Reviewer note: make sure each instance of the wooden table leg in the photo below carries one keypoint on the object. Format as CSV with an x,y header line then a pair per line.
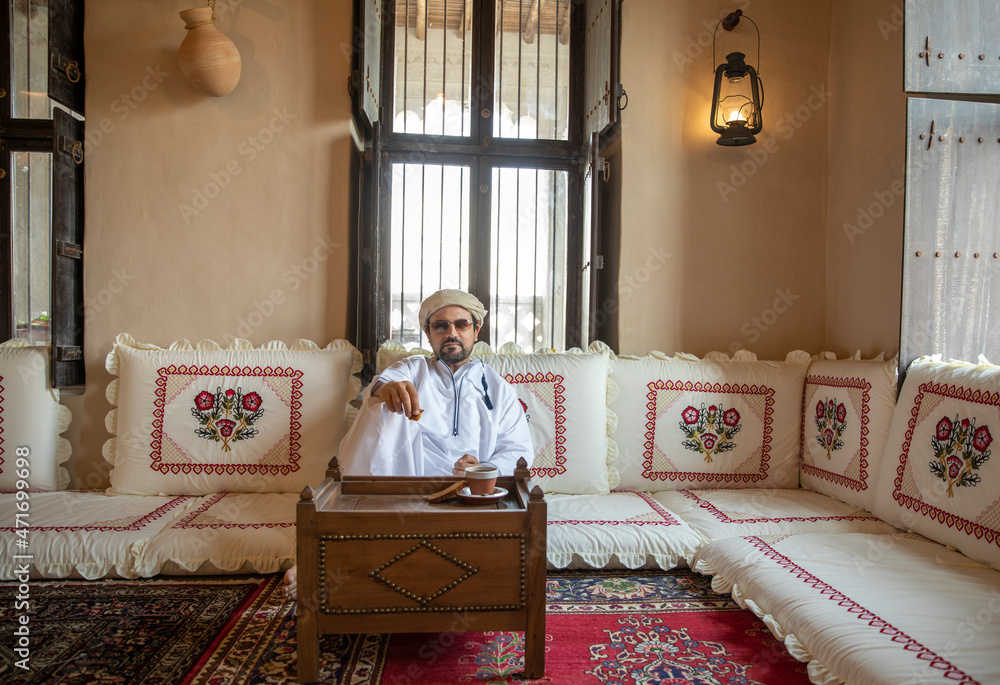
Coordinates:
x,y
534,650
308,592
307,639
534,634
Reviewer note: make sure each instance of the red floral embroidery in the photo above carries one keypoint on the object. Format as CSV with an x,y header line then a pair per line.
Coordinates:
x,y
711,430
287,374
830,423
750,473
981,439
524,407
225,427
944,428
960,453
860,390
954,466
252,401
227,416
977,529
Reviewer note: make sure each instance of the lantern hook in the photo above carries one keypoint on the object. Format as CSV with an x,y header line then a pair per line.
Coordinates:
x,y
729,23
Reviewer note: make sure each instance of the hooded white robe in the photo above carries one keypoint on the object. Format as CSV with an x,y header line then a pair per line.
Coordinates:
x,y
473,411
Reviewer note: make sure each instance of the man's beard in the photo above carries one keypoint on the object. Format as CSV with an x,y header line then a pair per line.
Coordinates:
x,y
454,356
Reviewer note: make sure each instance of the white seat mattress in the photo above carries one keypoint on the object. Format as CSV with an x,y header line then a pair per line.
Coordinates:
x,y
620,530
867,609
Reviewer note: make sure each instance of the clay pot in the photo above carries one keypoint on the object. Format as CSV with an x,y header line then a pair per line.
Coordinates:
x,y
209,60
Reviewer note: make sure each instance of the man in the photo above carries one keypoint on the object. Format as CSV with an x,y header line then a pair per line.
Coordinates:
x,y
459,410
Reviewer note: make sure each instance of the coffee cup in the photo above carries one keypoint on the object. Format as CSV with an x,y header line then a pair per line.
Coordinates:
x,y
482,479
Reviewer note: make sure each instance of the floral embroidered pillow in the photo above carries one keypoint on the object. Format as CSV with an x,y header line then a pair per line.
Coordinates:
x,y
939,476
32,453
847,411
564,398
687,423
195,420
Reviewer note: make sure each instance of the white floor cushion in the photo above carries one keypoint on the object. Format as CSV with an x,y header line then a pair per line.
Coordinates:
x,y
847,412
226,533
619,530
82,534
718,514
684,422
565,400
199,419
867,609
32,453
939,476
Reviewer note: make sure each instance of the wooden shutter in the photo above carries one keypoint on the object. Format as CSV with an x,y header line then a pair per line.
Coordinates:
x,y
67,252
952,46
591,240
601,86
7,328
66,64
951,263
368,81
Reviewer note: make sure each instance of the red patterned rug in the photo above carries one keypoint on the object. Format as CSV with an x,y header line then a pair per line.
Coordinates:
x,y
601,627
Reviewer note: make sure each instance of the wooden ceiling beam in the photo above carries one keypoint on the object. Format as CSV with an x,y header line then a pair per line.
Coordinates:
x,y
465,26
530,28
421,19
563,28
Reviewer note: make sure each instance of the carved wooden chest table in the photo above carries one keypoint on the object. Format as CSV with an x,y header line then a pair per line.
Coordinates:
x,y
374,556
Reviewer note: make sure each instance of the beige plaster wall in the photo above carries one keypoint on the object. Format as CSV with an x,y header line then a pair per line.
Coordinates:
x,y
217,218
864,244
723,248
211,218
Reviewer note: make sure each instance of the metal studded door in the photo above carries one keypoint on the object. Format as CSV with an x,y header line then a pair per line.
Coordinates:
x,y
951,261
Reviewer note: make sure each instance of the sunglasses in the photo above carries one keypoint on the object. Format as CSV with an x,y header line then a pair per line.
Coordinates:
x,y
444,326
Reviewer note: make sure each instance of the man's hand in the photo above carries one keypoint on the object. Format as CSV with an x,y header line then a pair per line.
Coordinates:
x,y
400,397
464,462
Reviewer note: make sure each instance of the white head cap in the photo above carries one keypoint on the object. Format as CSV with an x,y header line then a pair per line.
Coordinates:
x,y
448,298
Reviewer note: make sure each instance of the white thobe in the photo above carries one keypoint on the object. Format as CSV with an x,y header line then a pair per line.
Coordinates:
x,y
471,411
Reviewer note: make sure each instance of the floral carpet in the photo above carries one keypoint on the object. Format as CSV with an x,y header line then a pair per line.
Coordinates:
x,y
616,628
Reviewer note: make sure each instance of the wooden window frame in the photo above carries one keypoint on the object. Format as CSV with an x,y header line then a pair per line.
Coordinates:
x,y
378,148
62,136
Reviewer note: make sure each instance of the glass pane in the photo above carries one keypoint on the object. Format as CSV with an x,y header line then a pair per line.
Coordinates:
x,y
29,59
429,240
528,258
433,63
31,213
532,69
